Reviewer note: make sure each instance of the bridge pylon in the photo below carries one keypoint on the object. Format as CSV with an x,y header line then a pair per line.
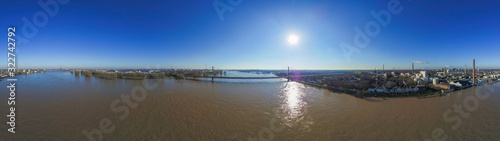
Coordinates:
x,y
288,75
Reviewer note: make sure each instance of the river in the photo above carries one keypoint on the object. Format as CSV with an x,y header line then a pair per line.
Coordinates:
x,y
60,106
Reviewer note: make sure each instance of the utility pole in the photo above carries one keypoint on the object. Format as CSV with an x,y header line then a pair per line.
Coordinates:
x,y
213,74
465,69
383,67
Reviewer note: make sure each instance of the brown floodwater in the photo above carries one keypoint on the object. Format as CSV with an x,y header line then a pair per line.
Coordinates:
x,y
59,106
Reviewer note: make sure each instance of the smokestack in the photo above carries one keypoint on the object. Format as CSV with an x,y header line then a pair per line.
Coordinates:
x,y
412,68
465,69
473,71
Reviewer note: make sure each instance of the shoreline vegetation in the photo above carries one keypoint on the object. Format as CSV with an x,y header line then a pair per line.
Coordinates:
x,y
139,75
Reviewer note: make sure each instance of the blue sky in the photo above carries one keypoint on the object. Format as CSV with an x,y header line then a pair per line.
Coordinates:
x,y
190,34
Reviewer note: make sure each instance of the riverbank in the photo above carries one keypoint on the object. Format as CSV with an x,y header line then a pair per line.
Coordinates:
x,y
364,94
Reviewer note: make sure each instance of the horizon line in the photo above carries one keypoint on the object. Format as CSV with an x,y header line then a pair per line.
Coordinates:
x,y
132,68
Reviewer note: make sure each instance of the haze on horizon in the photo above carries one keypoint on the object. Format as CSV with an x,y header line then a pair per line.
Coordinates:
x,y
256,35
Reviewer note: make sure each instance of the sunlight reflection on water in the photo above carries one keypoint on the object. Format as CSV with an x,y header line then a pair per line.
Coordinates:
x,y
294,106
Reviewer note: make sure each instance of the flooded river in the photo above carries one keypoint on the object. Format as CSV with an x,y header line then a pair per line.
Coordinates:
x,y
62,106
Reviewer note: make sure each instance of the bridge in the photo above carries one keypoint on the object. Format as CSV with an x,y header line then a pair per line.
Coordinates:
x,y
288,76
223,77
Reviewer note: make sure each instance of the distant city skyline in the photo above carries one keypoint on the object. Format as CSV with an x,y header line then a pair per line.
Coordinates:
x,y
254,35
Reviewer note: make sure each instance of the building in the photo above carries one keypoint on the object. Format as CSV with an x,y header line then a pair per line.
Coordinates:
x,y
460,84
423,73
435,81
456,83
445,86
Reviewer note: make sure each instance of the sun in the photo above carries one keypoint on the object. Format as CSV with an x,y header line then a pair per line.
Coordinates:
x,y
293,39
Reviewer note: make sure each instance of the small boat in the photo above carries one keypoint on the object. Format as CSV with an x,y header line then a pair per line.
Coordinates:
x,y
447,91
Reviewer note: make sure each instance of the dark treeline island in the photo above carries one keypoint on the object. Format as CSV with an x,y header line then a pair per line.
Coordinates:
x,y
142,74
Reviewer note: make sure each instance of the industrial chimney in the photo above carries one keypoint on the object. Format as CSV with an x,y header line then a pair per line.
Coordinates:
x,y
473,71
412,68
